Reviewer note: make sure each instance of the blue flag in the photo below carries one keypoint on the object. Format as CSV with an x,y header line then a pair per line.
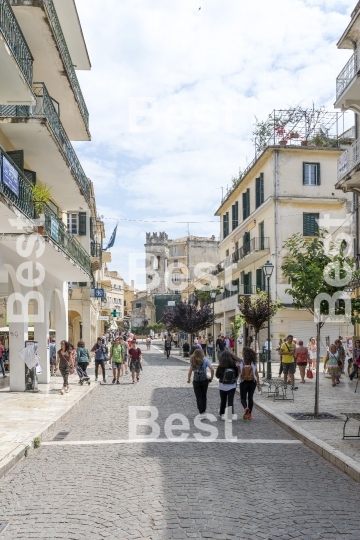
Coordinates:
x,y
112,239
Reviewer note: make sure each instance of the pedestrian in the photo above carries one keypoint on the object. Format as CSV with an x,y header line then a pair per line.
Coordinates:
x,y
203,343
220,345
52,354
124,365
249,379
148,343
167,347
312,348
186,349
73,353
227,373
210,346
116,359
135,361
334,364
65,364
198,367
82,357
287,353
356,360
341,353
2,360
99,350
302,357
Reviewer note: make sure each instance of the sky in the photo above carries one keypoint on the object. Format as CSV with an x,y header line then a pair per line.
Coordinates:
x,y
173,94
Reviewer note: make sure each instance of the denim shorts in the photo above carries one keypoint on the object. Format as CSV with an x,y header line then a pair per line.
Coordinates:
x,y
116,365
288,368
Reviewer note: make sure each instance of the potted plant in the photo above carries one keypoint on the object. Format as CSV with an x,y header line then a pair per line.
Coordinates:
x,y
318,140
304,143
41,196
283,142
294,135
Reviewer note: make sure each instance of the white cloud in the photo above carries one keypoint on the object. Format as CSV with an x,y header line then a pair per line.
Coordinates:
x,y
248,58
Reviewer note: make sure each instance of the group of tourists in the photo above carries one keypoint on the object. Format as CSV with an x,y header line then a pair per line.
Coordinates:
x,y
230,371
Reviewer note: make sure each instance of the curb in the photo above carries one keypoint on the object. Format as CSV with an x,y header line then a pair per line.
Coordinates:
x,y
335,457
19,453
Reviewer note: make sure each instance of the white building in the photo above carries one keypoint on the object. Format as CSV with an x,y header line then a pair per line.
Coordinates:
x,y
42,109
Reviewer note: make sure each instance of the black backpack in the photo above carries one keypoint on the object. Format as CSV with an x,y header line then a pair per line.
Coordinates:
x,y
200,374
229,376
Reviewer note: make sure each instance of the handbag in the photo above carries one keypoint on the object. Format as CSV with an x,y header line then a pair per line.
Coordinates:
x,y
309,374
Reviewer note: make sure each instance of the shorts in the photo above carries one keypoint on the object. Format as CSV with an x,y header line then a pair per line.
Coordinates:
x,y
302,363
116,365
288,368
135,366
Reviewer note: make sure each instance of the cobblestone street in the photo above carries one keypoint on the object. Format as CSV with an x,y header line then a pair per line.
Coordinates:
x,y
275,488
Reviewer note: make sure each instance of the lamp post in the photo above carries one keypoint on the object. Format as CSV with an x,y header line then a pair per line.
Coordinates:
x,y
213,296
268,269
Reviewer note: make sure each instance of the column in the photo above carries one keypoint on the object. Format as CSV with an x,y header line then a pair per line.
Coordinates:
x,y
18,334
41,335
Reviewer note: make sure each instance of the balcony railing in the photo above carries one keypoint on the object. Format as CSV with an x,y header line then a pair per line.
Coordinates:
x,y
349,159
45,107
255,244
57,231
15,40
95,249
348,73
53,226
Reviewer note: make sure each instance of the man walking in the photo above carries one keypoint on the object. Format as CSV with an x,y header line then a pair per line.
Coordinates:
x,y
99,350
220,345
2,360
167,347
287,353
52,352
116,359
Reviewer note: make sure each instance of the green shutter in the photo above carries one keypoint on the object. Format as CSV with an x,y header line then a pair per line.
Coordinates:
x,y
82,223
310,224
259,279
261,188
17,157
31,176
244,205
248,202
318,180
257,192
304,165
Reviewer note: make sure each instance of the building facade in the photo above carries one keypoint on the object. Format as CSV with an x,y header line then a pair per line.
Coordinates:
x,y
45,195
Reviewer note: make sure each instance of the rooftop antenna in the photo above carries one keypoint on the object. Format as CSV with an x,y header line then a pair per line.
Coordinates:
x,y
188,229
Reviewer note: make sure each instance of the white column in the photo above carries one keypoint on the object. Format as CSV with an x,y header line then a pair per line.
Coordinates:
x,y
61,314
41,335
18,334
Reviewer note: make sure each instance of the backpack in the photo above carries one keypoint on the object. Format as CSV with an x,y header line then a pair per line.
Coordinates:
x,y
200,374
229,376
247,373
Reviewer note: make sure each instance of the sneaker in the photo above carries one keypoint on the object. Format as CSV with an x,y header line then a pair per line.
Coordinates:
x,y
114,381
294,387
67,389
245,415
62,391
249,416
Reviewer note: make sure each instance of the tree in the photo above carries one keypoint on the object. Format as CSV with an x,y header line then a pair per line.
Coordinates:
x,y
257,310
188,317
315,266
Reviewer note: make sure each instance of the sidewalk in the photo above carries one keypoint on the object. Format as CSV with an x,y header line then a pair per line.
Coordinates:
x,y
323,436
26,415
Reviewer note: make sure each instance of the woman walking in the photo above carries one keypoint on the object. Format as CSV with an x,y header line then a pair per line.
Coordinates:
x,y
82,359
135,361
302,357
167,346
312,348
356,360
249,379
198,367
334,364
65,364
227,373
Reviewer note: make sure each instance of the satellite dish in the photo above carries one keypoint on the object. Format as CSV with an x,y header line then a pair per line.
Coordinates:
x,y
323,129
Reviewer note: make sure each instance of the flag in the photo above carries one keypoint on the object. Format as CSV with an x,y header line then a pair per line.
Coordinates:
x,y
112,239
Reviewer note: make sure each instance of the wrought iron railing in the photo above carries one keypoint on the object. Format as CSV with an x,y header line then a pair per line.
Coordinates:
x,y
25,200
348,73
95,249
57,231
45,107
349,159
255,244
15,40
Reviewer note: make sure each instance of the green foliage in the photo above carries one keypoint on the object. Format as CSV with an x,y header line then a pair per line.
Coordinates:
x,y
41,197
237,325
26,451
262,133
156,327
37,442
257,310
204,294
306,265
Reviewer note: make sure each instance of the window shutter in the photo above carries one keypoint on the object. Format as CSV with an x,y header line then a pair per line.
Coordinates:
x,y
17,157
318,180
257,192
304,172
31,176
244,205
261,188
82,283
242,278
310,224
259,281
246,238
82,223
248,202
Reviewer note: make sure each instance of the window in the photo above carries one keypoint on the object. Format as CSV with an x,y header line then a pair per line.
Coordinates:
x,y
260,279
82,223
175,251
259,190
72,223
235,215
176,263
246,203
176,278
311,174
310,224
157,262
226,224
262,235
236,246
138,305
177,291
247,283
227,253
124,303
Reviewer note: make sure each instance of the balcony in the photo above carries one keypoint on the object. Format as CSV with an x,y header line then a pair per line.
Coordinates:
x,y
347,90
55,231
39,132
248,253
15,59
349,168
40,25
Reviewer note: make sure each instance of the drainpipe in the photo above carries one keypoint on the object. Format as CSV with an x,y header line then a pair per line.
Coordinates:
x,y
276,217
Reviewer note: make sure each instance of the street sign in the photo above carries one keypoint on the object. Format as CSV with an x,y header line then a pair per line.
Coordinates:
x,y
97,293
171,303
103,317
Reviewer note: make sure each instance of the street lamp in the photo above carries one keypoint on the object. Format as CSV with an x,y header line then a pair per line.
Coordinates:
x,y
268,269
213,296
70,291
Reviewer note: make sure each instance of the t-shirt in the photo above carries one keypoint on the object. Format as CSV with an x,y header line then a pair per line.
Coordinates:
x,y
135,353
302,357
117,354
289,350
220,343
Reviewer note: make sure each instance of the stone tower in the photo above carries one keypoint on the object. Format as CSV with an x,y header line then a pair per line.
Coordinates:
x,y
157,257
